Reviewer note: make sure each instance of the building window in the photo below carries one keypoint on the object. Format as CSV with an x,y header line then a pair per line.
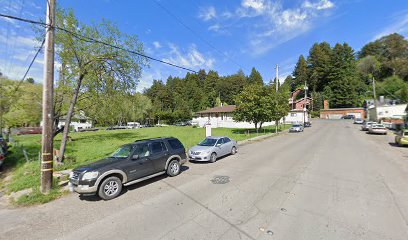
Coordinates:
x,y
222,116
293,114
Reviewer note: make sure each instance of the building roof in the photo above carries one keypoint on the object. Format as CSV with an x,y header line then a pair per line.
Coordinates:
x,y
340,109
223,109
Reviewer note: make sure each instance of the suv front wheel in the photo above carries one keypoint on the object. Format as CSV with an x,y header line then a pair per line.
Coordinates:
x,y
110,188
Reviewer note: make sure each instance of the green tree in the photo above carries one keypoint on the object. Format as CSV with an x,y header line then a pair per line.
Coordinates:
x,y
319,62
300,73
255,77
251,105
392,52
389,87
343,78
368,67
91,66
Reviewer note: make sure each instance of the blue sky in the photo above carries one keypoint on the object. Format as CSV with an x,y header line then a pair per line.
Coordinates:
x,y
220,35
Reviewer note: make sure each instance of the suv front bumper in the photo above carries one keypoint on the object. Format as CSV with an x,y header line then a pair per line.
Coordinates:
x,y
82,189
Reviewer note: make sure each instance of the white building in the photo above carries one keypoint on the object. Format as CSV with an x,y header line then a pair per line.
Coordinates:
x,y
78,122
296,116
387,111
221,117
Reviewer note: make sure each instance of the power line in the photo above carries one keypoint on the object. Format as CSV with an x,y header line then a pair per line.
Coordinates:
x,y
29,67
88,39
195,33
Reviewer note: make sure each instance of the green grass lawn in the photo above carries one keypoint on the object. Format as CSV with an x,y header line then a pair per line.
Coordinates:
x,y
86,147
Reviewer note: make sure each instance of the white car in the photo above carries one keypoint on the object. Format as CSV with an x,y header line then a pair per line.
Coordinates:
x,y
358,121
212,148
377,129
296,128
366,125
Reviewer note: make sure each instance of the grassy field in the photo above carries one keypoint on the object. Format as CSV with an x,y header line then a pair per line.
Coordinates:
x,y
86,147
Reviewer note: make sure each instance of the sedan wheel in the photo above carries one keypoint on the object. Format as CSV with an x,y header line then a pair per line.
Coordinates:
x,y
233,150
213,157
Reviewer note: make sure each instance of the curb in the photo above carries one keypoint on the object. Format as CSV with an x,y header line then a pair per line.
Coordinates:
x,y
262,137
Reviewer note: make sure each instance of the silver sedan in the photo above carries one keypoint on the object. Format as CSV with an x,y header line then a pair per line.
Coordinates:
x,y
212,148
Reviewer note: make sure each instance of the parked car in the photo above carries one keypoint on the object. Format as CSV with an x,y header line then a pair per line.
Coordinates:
x,y
308,124
212,148
347,117
296,128
366,125
358,121
131,163
377,128
29,130
401,138
3,144
2,157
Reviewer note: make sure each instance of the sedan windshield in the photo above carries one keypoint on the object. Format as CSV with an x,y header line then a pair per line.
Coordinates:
x,y
295,125
208,142
123,152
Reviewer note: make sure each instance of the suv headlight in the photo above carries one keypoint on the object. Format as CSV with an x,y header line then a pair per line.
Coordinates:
x,y
90,175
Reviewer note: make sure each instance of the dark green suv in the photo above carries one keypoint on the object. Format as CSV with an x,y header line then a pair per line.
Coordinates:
x,y
131,163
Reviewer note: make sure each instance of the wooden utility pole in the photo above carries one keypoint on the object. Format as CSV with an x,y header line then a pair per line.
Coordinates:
x,y
48,109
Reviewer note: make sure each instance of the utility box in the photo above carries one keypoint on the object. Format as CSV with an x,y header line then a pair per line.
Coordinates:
x,y
208,130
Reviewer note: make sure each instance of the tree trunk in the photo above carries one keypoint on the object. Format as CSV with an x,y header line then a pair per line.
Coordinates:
x,y
256,127
68,120
260,125
276,126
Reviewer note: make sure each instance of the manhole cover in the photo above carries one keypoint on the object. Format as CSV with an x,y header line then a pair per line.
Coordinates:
x,y
220,179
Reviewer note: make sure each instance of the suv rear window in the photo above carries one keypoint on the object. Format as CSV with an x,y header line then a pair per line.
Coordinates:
x,y
158,147
175,144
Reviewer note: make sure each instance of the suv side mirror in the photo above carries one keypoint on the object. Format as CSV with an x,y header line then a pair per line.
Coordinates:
x,y
135,157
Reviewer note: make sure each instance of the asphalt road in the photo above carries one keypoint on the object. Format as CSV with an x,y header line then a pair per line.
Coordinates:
x,y
330,182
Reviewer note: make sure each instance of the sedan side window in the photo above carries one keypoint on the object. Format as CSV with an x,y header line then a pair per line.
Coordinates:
x,y
227,140
220,141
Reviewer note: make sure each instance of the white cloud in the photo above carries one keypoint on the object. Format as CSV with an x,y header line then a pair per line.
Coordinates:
x,y
319,5
191,58
257,5
270,23
157,44
207,13
399,25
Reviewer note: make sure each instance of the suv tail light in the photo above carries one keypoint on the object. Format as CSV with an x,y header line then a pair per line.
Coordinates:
x,y
1,157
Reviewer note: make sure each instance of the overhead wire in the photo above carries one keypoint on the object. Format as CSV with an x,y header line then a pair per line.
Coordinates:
x,y
196,34
88,39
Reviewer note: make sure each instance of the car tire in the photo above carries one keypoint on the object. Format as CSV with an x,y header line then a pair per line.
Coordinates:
x,y
110,188
174,168
213,157
233,150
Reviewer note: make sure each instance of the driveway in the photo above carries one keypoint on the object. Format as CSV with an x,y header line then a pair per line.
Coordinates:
x,y
330,182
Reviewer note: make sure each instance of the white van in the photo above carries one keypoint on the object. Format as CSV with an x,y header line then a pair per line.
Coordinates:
x,y
132,125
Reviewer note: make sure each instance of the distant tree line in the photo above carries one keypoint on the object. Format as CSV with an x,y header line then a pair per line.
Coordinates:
x,y
344,77
177,98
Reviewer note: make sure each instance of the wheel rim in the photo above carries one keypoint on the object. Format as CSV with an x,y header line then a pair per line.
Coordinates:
x,y
174,168
213,157
234,150
111,188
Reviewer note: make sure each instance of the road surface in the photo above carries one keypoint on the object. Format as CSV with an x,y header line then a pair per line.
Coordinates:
x,y
330,182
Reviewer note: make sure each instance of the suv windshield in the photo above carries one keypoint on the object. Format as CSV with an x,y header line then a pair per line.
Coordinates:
x,y
208,142
123,152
